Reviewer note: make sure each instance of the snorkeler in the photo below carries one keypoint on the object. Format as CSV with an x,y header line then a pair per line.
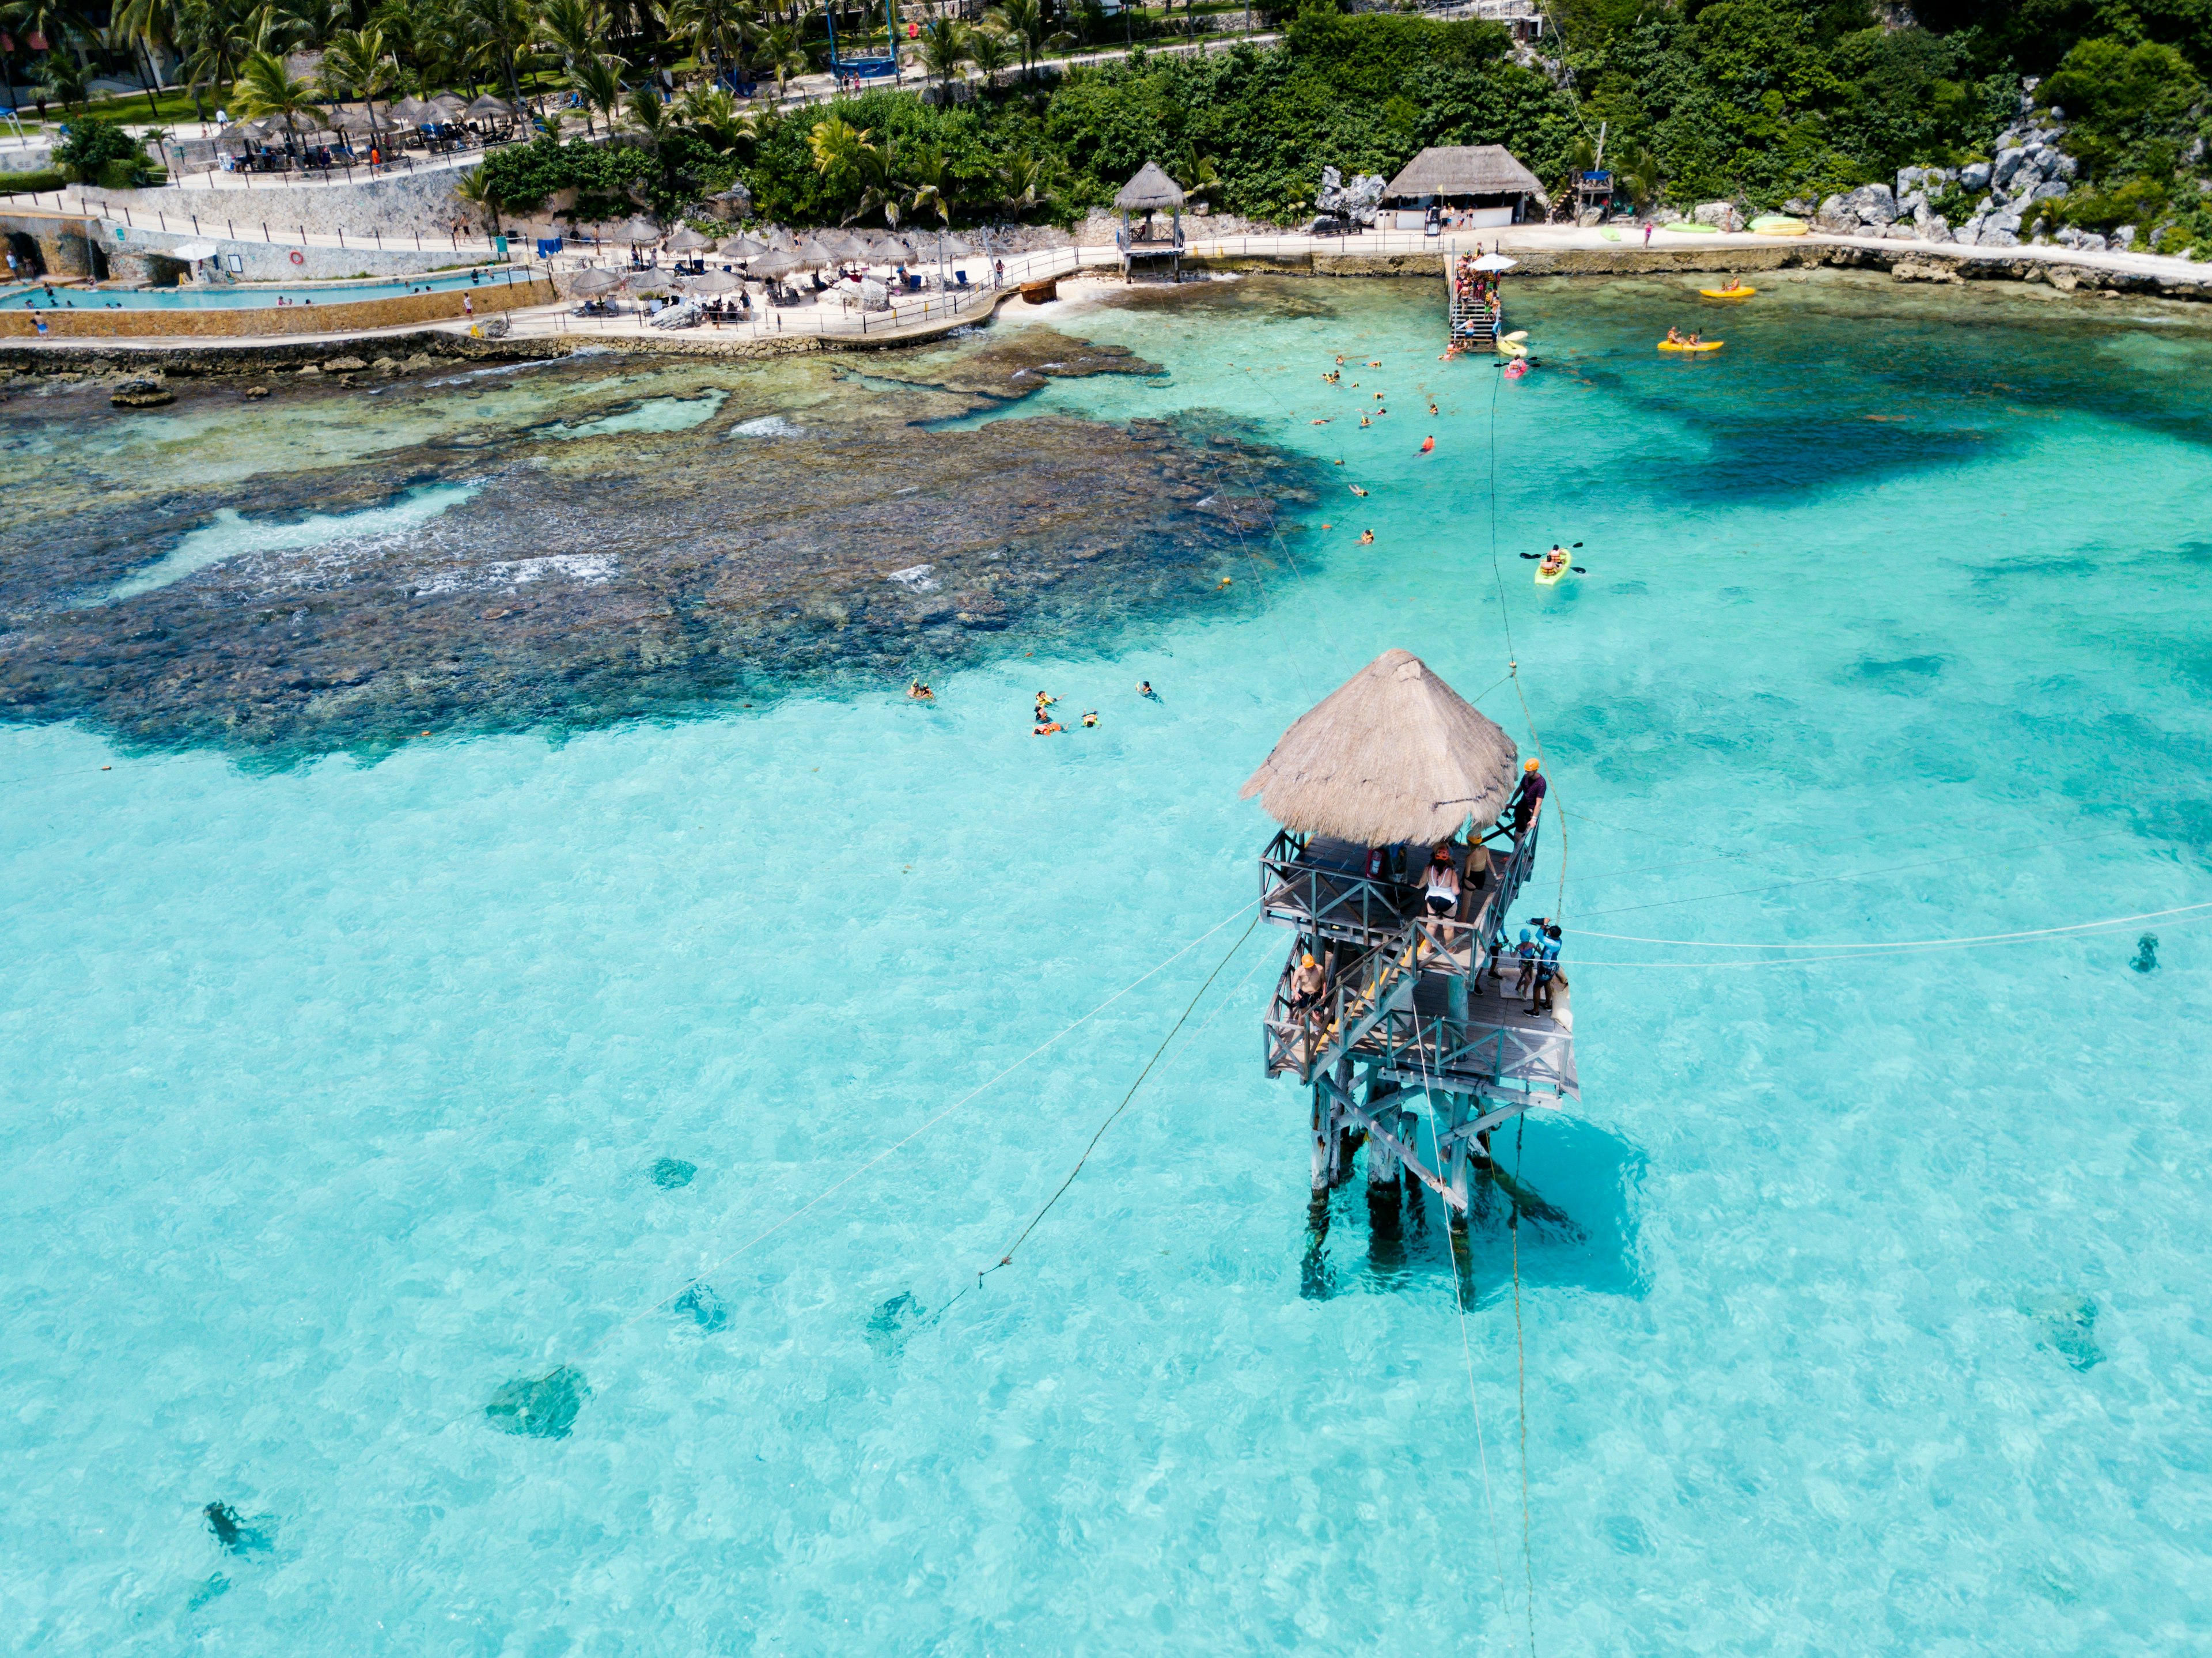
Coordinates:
x,y
1367,537
1428,444
1144,689
1090,717
920,692
1356,490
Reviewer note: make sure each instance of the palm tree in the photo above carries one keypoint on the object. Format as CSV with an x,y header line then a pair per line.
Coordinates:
x,y
1643,176
1029,179
59,22
505,28
990,50
718,30
712,113
943,48
265,87
575,29
216,36
1200,177
598,82
146,24
355,66
1025,21
842,152
63,79
478,190
927,175
782,53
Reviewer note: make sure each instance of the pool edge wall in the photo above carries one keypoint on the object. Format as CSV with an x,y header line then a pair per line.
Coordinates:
x,y
245,322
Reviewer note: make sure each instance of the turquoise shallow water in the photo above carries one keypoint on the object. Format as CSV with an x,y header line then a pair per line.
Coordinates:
x,y
335,1093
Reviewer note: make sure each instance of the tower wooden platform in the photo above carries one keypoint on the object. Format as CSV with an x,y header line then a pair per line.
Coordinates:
x,y
1409,1022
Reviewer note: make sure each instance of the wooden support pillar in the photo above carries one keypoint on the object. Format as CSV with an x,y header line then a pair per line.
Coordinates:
x,y
1383,1197
1456,1179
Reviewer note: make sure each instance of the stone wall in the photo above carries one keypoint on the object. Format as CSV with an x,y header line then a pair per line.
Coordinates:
x,y
271,261
254,321
398,205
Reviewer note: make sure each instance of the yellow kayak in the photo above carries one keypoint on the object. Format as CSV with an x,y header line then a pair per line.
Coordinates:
x,y
1727,293
1703,345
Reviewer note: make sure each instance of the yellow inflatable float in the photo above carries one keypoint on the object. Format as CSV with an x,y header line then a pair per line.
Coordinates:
x,y
1702,345
1727,293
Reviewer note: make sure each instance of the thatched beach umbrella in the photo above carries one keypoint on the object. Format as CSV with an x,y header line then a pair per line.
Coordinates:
x,y
744,247
638,232
777,266
687,240
591,283
412,112
1393,754
1151,190
712,282
488,108
813,255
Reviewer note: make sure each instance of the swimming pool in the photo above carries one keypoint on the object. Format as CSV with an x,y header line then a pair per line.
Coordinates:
x,y
211,296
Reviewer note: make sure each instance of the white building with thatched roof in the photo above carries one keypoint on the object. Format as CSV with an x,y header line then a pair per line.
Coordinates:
x,y
1479,184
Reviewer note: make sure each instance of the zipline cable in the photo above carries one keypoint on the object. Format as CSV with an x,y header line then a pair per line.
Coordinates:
x,y
1466,1343
1006,1260
1521,1357
832,1190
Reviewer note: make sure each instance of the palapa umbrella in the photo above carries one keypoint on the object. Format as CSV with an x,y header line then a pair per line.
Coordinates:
x,y
744,247
488,108
687,240
638,232
1394,754
712,282
592,283
813,255
449,104
777,266
839,246
411,111
951,247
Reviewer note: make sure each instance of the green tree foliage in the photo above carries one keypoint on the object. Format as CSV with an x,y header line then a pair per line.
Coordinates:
x,y
98,151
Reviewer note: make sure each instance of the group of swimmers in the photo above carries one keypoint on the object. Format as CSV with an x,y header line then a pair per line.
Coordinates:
x,y
1044,724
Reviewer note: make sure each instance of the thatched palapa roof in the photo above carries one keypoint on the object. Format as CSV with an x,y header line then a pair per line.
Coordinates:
x,y
1393,754
1150,190
1462,170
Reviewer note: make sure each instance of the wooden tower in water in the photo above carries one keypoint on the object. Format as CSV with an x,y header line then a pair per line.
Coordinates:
x,y
1407,1041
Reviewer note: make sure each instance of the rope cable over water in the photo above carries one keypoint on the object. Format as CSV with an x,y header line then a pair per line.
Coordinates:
x,y
1006,1259
1520,1358
1466,1342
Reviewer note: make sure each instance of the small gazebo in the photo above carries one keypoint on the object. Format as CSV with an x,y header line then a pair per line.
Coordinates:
x,y
1149,193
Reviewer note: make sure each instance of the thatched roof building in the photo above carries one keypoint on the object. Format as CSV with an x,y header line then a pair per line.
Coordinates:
x,y
1453,173
1149,192
1394,754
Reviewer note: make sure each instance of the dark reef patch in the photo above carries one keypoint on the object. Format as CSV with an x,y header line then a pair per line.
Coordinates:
x,y
544,1406
808,534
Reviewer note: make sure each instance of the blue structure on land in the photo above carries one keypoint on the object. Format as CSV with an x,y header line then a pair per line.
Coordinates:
x,y
875,67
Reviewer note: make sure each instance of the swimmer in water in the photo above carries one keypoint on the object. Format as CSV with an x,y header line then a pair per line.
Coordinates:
x,y
1364,421
920,692
1377,363
1432,408
1428,445
1379,396
1356,490
1367,537
1046,728
1043,702
1144,689
1091,716
1340,359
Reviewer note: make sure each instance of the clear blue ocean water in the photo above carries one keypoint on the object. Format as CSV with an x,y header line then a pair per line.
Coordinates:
x,y
335,1093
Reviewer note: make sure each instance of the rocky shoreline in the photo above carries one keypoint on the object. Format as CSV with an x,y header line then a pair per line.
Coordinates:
x,y
601,540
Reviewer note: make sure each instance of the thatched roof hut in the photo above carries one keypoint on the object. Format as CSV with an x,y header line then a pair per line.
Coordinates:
x,y
1393,754
1149,192
1461,173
